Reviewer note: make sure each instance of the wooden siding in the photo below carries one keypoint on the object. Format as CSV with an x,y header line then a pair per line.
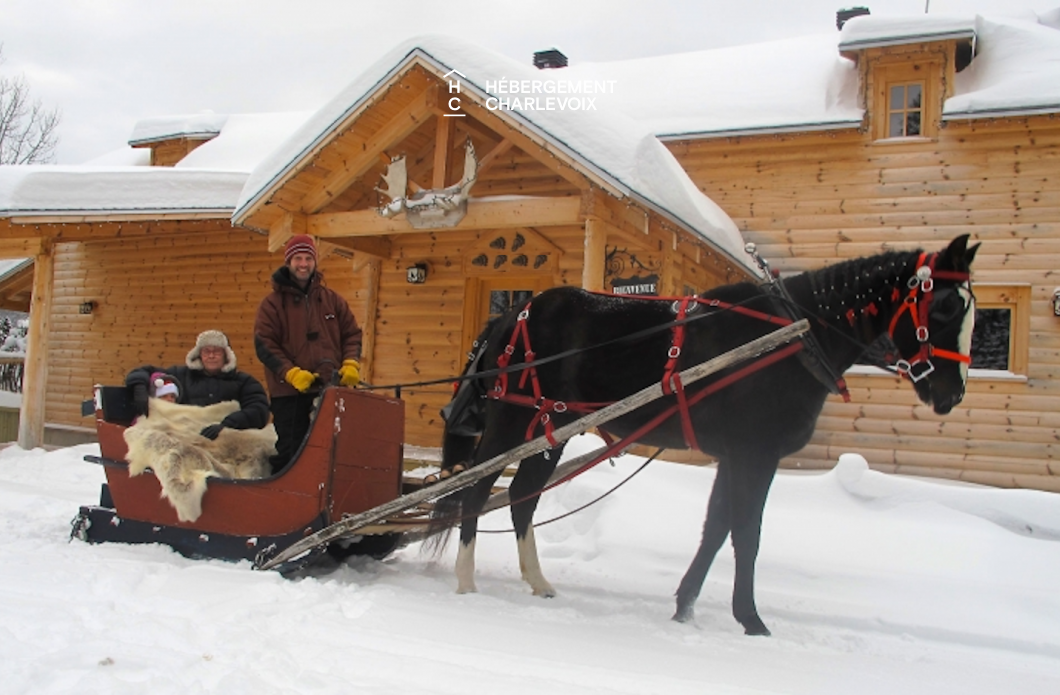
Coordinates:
x,y
812,199
154,295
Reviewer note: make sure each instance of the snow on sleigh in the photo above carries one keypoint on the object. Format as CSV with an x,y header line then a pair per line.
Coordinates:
x,y
351,461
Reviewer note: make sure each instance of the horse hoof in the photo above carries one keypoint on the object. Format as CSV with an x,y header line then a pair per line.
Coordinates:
x,y
755,627
545,593
684,614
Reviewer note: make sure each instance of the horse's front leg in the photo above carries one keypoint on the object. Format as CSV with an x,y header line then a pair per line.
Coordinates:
x,y
750,481
715,531
525,491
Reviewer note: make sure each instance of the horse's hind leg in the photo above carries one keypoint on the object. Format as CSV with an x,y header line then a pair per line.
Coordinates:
x,y
750,487
531,477
715,531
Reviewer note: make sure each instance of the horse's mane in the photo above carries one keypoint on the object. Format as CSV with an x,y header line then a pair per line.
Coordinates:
x,y
856,283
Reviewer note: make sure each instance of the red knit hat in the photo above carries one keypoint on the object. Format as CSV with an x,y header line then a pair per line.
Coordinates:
x,y
300,243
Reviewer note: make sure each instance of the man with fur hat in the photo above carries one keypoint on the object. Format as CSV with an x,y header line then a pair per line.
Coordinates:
x,y
208,376
304,334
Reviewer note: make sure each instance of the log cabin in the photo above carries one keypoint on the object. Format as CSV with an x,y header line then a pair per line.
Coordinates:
x,y
889,133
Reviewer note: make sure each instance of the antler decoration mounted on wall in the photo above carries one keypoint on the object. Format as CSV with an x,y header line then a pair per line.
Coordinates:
x,y
430,208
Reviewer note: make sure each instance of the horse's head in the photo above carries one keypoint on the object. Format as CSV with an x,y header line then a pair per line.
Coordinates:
x,y
933,328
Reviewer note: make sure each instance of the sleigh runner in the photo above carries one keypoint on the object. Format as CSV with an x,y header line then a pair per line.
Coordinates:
x,y
344,485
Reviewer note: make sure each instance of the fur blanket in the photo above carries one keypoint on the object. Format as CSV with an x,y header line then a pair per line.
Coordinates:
x,y
168,442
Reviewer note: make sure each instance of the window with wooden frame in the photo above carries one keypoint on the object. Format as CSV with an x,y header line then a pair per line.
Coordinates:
x,y
905,109
1000,342
906,100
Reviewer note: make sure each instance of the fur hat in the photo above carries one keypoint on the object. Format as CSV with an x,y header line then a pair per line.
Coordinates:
x,y
211,339
300,243
163,384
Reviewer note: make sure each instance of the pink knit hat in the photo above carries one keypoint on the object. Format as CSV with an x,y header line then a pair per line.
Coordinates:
x,y
163,385
300,243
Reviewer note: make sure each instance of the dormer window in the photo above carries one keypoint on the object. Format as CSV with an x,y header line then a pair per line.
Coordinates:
x,y
905,109
906,97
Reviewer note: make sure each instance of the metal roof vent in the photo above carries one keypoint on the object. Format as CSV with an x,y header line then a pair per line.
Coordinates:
x,y
842,16
548,59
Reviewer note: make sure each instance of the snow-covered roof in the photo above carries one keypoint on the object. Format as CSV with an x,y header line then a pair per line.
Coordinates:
x,y
620,152
203,125
1016,71
208,180
795,83
801,84
79,190
13,266
870,31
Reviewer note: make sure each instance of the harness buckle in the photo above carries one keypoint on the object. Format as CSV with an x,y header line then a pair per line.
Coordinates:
x,y
509,350
674,352
524,315
913,282
559,407
927,285
906,368
922,334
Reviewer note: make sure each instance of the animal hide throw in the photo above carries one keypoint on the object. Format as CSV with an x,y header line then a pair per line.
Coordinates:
x,y
168,442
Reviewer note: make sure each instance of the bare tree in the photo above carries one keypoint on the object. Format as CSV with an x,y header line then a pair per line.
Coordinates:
x,y
27,129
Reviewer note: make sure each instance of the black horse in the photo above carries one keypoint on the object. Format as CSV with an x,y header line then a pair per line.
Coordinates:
x,y
620,345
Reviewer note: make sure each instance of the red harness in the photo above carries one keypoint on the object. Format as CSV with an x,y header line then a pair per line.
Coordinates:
x,y
671,380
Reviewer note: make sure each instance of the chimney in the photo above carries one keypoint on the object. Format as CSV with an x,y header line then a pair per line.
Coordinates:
x,y
548,59
842,16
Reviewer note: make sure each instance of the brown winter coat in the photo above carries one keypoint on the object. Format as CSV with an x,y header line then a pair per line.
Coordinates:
x,y
312,329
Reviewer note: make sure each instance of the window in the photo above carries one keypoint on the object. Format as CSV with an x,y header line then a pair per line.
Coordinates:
x,y
906,99
904,109
1002,328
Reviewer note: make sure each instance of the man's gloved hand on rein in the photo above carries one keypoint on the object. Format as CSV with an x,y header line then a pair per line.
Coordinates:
x,y
300,378
350,373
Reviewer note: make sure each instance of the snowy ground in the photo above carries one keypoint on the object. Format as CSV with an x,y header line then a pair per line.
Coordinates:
x,y
870,584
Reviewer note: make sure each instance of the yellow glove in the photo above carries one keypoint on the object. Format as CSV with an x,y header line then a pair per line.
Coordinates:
x,y
300,378
350,373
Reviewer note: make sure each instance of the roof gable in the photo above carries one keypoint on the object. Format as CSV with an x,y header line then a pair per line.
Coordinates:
x,y
606,150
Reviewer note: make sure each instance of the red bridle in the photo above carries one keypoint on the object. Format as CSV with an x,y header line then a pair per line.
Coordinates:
x,y
918,303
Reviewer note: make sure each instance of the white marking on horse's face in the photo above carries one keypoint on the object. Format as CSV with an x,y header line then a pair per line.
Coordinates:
x,y
964,338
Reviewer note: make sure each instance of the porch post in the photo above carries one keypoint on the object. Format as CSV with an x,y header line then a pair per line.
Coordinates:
x,y
35,376
593,263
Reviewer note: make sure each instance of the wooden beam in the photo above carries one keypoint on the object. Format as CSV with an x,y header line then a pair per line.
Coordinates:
x,y
487,161
374,246
21,248
625,216
287,226
35,378
595,251
442,133
396,129
372,273
530,212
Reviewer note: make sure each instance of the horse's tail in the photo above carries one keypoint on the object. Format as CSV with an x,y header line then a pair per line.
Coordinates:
x,y
464,419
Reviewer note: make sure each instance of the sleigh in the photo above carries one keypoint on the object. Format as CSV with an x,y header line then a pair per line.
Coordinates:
x,y
350,461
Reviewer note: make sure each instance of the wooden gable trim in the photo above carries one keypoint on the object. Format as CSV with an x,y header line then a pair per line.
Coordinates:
x,y
396,129
482,214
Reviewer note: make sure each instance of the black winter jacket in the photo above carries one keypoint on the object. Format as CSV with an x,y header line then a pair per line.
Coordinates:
x,y
199,388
